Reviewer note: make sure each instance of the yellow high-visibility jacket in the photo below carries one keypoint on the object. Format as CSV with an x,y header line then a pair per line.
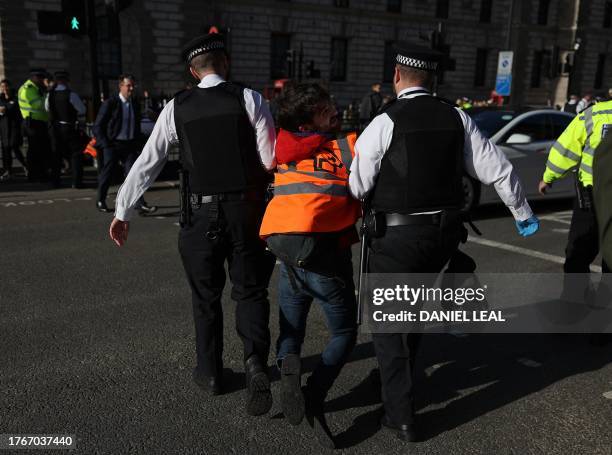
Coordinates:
x,y
32,102
576,145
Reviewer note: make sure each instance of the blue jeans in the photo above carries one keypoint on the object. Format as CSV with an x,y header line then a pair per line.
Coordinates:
x,y
337,299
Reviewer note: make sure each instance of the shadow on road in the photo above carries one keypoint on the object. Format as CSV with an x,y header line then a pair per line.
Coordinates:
x,y
497,369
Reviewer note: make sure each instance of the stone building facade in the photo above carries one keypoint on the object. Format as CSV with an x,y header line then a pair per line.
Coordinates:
x,y
344,43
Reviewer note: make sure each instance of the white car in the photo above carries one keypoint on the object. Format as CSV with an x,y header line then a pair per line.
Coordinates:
x,y
526,139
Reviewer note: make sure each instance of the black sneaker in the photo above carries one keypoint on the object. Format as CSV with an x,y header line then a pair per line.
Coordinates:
x,y
259,397
292,399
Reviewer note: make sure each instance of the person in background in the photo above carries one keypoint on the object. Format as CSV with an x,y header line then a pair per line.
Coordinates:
x,y
571,105
31,98
370,104
65,107
117,133
10,130
585,102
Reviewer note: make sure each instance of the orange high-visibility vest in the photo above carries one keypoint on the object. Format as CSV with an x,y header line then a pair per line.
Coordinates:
x,y
312,195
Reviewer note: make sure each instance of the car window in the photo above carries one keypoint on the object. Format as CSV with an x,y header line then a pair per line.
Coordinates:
x,y
559,123
490,122
534,126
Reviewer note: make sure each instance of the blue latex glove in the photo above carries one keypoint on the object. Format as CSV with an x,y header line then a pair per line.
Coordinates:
x,y
528,227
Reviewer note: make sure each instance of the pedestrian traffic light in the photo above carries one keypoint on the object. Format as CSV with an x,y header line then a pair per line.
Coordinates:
x,y
71,20
437,40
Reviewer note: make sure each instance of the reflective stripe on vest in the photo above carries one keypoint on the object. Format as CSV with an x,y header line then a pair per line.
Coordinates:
x,y
312,195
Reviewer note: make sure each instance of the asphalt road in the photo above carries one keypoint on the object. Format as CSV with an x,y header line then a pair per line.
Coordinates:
x,y
97,341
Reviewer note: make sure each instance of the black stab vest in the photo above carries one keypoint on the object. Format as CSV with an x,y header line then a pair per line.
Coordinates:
x,y
422,169
217,141
60,108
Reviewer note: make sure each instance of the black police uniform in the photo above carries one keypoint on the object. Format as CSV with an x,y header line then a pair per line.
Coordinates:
x,y
65,135
224,194
227,186
420,172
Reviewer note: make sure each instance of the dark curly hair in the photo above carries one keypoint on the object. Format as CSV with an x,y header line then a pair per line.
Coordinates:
x,y
298,104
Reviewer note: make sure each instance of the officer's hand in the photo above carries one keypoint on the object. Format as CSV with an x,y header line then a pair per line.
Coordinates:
x,y
543,187
119,231
528,227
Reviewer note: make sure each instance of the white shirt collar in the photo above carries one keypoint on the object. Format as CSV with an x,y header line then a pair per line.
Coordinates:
x,y
407,91
124,100
210,80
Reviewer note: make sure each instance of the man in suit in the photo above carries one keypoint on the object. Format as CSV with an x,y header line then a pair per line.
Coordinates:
x,y
117,133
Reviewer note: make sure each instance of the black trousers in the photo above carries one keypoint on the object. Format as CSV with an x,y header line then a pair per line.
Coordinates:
x,y
7,156
39,156
66,143
125,151
250,268
582,242
406,249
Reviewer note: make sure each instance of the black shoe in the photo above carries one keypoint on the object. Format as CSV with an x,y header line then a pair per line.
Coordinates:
x,y
404,432
209,384
315,417
292,399
102,207
145,209
259,397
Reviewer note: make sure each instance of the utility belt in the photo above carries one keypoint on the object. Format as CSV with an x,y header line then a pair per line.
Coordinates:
x,y
377,222
63,124
196,200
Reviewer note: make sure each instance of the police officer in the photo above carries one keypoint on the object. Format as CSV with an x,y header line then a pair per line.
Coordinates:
x,y
65,106
226,138
409,165
576,148
31,98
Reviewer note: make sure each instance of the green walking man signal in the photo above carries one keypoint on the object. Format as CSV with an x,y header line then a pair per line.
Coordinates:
x,y
74,23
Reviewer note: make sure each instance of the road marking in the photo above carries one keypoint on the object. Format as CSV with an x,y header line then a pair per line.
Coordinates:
x,y
525,251
528,362
561,231
608,395
559,217
42,201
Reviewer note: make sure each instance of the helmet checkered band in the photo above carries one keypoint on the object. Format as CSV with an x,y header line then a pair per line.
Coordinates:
x,y
206,48
416,63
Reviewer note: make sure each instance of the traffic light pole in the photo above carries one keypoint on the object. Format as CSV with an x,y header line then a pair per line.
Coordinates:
x,y
93,53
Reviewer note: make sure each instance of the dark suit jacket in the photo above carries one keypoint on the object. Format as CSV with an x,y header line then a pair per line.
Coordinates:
x,y
602,195
10,122
109,120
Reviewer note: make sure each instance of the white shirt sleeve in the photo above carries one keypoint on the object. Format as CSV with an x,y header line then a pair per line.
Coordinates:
x,y
369,151
76,102
261,119
485,162
148,165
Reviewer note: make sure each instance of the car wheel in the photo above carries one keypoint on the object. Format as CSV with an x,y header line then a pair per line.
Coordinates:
x,y
471,193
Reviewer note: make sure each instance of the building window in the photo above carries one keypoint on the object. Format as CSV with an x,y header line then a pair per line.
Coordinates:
x,y
543,12
339,48
442,9
607,22
279,53
394,6
536,69
599,73
341,3
486,7
447,63
389,62
480,75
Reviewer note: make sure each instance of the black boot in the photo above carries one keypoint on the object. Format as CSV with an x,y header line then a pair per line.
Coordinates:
x,y
209,384
259,398
292,399
315,415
